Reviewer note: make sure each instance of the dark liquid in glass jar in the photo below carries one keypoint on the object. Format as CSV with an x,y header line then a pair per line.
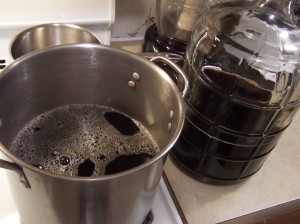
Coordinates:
x,y
154,42
243,66
225,139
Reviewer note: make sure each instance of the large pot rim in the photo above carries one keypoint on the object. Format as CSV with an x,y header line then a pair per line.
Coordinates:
x,y
21,34
139,59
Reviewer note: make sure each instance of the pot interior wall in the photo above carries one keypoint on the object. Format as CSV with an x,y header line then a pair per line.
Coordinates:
x,y
88,74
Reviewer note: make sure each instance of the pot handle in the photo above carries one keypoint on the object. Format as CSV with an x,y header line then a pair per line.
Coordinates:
x,y
168,55
18,169
179,72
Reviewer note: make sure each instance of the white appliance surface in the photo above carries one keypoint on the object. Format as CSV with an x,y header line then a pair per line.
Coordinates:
x,y
18,15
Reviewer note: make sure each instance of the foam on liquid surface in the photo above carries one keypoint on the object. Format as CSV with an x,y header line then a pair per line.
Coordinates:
x,y
84,140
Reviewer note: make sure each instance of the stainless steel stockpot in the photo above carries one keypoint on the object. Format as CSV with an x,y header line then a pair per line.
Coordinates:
x,y
48,35
87,74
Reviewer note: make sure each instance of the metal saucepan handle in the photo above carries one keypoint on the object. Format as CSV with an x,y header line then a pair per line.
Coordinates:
x,y
14,167
179,72
170,56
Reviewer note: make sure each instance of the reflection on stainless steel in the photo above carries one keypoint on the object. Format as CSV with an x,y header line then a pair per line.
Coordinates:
x,y
16,168
183,83
165,207
47,35
170,56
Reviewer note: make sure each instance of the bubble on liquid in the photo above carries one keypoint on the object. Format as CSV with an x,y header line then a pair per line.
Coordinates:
x,y
55,153
64,160
36,129
39,166
60,124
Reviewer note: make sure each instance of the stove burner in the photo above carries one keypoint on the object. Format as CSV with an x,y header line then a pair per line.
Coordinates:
x,y
149,218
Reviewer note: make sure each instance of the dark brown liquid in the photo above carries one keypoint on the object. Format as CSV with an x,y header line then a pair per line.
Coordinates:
x,y
86,168
84,140
122,123
126,162
225,139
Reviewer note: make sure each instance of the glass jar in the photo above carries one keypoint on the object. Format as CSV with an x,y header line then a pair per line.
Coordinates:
x,y
243,67
176,18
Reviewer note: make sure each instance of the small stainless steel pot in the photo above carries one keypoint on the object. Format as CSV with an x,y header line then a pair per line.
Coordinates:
x,y
87,74
48,35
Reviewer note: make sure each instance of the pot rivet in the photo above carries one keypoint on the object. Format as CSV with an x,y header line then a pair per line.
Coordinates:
x,y
131,84
171,114
136,76
169,126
